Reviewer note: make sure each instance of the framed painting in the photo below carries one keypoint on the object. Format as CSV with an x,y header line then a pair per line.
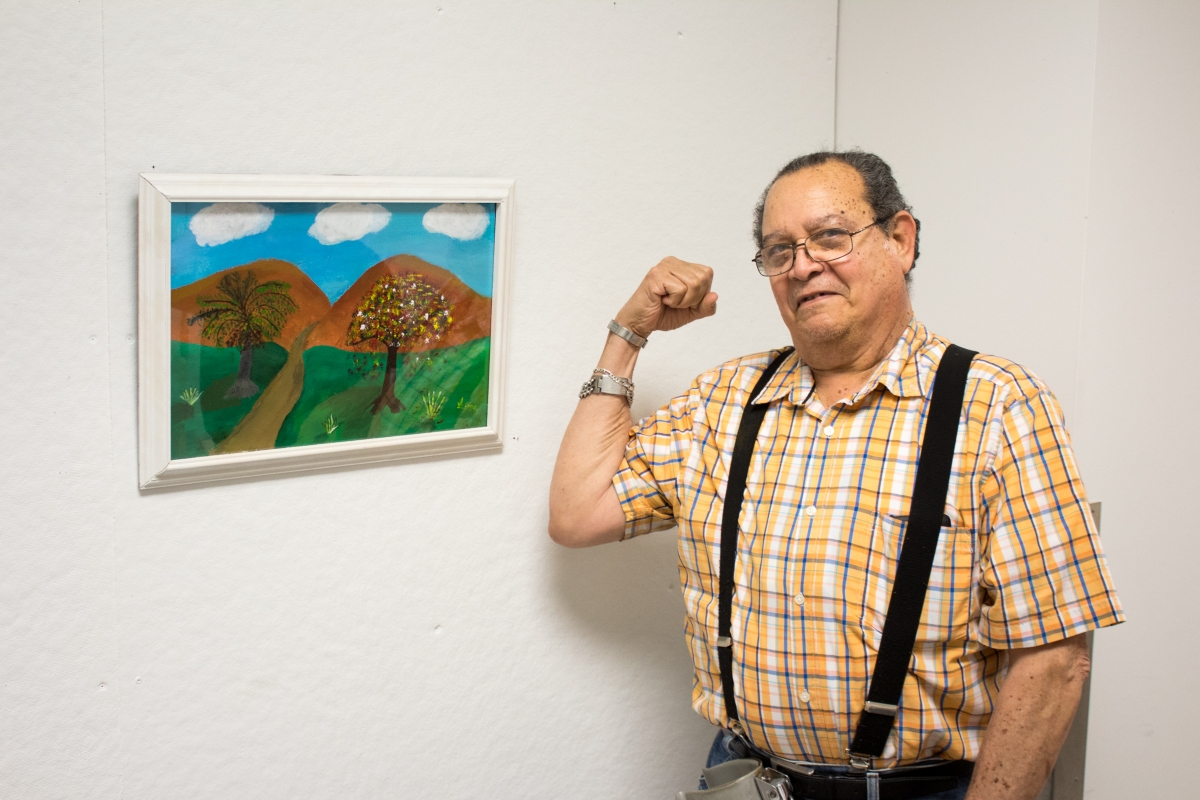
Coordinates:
x,y
298,322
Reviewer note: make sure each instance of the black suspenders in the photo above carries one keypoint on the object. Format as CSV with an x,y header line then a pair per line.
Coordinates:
x,y
735,488
916,554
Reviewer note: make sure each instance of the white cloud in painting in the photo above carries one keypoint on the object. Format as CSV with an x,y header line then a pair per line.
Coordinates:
x,y
348,222
464,221
224,222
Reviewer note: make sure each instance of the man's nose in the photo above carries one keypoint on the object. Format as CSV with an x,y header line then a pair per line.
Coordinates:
x,y
803,266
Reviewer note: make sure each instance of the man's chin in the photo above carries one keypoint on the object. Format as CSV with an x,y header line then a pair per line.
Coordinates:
x,y
820,330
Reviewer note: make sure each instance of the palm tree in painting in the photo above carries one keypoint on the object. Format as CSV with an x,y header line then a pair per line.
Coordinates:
x,y
398,312
245,314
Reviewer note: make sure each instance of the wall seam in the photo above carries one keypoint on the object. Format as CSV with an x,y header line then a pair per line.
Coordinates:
x,y
1076,400
837,65
117,682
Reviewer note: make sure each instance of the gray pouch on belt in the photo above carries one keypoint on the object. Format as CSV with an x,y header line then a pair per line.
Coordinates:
x,y
741,779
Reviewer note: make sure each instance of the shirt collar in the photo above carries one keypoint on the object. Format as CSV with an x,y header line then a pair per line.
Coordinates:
x,y
906,372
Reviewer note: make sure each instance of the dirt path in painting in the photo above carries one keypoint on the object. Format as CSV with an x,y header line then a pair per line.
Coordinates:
x,y
260,427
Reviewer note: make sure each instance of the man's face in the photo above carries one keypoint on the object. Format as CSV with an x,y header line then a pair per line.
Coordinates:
x,y
845,300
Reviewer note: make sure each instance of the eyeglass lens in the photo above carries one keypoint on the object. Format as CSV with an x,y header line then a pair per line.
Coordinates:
x,y
822,246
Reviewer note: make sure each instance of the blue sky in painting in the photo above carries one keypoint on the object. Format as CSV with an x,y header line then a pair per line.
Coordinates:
x,y
333,267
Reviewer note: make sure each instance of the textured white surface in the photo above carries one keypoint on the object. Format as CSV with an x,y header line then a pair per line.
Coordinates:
x,y
59,685
343,634
339,635
1138,433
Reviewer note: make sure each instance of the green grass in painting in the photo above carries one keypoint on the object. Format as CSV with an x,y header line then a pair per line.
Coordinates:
x,y
197,425
334,391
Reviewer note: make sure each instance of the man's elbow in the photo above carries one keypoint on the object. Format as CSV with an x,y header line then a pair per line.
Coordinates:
x,y
560,533
1080,665
1074,662
565,526
1065,663
570,528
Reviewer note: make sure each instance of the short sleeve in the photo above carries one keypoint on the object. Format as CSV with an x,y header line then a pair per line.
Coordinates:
x,y
1043,574
648,479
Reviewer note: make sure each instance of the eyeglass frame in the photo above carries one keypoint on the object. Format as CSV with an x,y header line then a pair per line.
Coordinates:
x,y
758,259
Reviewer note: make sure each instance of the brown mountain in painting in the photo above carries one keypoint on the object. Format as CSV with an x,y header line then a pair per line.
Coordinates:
x,y
471,312
312,302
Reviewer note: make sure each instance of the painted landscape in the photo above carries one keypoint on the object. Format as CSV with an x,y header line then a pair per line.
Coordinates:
x,y
312,337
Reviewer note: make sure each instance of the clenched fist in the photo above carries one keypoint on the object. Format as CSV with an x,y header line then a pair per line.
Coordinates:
x,y
672,294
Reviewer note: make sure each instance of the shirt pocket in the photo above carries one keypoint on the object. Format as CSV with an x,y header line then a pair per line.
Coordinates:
x,y
946,612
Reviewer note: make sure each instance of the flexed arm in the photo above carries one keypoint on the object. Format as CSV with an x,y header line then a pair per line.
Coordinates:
x,y
584,509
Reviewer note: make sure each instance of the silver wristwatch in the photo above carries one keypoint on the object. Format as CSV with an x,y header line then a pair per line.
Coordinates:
x,y
604,382
626,334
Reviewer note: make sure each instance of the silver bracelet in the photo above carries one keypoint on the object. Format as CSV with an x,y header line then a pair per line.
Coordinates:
x,y
627,335
626,382
604,382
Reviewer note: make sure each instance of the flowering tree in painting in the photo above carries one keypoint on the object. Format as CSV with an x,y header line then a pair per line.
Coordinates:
x,y
246,314
398,312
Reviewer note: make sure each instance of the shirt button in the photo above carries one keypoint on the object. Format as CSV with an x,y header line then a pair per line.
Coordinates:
x,y
798,599
811,511
829,430
805,697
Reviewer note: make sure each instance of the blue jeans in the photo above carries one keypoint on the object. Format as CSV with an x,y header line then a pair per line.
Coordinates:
x,y
719,753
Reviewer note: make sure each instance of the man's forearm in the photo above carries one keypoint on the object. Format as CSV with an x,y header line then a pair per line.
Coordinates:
x,y
583,505
1033,714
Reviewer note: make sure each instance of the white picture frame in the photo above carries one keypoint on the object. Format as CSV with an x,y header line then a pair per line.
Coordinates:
x,y
157,193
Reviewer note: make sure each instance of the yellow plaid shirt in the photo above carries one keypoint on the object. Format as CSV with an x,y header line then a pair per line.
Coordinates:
x,y
821,527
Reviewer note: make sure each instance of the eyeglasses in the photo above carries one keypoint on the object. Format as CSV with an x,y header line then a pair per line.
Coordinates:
x,y
826,245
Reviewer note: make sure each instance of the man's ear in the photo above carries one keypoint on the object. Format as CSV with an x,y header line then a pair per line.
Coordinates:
x,y
903,238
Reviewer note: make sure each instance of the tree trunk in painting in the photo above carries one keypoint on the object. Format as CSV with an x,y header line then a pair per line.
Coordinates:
x,y
243,386
388,396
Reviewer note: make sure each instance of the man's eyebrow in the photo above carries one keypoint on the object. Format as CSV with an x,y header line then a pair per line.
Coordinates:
x,y
817,225
823,221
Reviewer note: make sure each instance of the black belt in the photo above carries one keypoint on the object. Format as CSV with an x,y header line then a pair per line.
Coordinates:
x,y
904,783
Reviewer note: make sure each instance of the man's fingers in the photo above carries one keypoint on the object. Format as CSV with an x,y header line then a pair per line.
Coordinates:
x,y
686,285
671,291
705,308
697,290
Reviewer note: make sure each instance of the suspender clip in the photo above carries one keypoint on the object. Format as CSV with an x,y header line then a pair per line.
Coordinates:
x,y
884,709
860,762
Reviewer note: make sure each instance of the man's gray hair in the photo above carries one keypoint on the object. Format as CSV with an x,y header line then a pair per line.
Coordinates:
x,y
882,193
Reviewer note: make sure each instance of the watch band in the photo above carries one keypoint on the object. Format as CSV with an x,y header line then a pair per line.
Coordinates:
x,y
607,384
626,334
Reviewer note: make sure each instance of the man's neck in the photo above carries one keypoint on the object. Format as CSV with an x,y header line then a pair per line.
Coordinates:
x,y
841,368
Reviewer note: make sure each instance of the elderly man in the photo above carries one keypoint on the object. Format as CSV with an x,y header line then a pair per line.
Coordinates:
x,y
1017,578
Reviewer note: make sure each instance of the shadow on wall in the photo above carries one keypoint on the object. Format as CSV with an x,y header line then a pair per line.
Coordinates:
x,y
627,593
624,600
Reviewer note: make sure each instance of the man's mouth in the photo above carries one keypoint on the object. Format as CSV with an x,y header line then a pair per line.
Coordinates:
x,y
811,297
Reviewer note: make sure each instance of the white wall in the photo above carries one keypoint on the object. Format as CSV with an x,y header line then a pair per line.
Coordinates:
x,y
59,698
1137,435
341,634
344,634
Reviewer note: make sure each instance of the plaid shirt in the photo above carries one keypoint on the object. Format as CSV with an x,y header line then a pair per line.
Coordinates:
x,y
821,527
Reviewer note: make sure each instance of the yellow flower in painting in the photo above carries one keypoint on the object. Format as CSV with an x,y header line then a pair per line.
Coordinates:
x,y
399,311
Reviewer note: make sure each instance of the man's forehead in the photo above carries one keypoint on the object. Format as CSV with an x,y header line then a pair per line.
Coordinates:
x,y
832,191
